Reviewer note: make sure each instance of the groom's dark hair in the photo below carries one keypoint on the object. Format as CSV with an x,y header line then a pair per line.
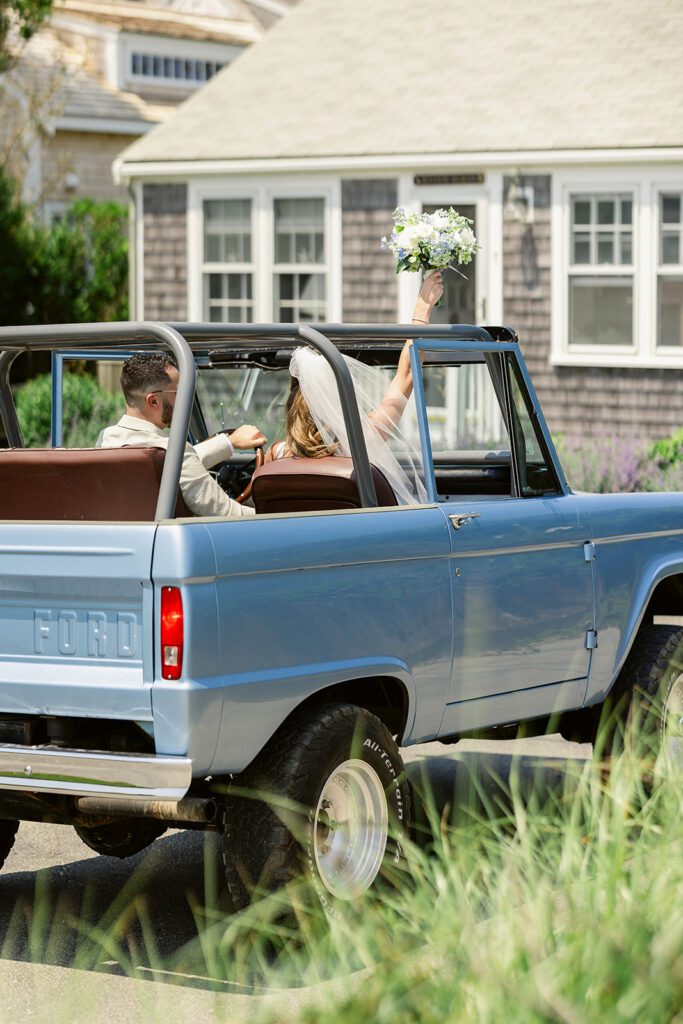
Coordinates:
x,y
144,373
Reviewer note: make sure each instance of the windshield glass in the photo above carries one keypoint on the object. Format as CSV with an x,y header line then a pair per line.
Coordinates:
x,y
230,396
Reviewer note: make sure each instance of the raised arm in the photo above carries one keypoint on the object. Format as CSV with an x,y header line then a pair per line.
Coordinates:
x,y
390,409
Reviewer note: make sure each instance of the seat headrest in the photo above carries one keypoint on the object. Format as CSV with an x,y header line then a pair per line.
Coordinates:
x,y
313,485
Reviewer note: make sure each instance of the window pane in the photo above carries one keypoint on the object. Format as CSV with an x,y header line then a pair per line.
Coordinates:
x,y
626,211
606,211
600,311
605,248
670,247
213,250
227,298
286,286
227,230
216,286
582,247
671,209
535,475
670,311
283,250
299,297
299,230
303,248
582,211
626,250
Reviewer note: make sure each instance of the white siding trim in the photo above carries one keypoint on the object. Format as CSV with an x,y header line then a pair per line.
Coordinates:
x,y
532,160
103,125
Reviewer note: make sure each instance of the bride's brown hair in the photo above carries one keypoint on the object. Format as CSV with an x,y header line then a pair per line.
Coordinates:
x,y
303,437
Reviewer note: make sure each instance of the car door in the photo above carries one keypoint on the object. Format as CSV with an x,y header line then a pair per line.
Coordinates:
x,y
520,549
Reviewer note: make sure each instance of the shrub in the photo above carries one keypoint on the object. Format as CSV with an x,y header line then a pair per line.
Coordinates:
x,y
669,450
75,271
602,463
83,265
87,409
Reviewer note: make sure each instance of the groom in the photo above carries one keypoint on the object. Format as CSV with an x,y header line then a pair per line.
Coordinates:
x,y
149,384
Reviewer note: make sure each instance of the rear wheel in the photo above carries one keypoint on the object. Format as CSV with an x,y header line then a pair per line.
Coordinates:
x,y
122,838
327,800
8,833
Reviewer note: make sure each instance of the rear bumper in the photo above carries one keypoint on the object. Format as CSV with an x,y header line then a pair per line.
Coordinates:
x,y
86,773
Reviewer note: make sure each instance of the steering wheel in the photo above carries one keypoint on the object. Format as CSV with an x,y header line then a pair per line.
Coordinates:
x,y
246,493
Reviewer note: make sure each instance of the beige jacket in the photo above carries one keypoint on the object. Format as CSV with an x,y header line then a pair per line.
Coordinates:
x,y
201,493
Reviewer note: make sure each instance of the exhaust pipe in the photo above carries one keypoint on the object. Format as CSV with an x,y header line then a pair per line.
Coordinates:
x,y
190,809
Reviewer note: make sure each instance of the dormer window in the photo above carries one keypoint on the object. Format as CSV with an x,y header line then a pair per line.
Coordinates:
x,y
175,66
178,69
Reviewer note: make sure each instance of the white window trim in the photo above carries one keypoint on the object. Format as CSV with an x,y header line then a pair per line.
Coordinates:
x,y
262,194
645,184
664,269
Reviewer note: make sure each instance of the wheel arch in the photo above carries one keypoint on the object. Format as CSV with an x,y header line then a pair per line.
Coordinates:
x,y
386,697
657,597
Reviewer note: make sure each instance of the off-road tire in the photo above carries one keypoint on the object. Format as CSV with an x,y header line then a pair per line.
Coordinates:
x,y
268,844
652,669
8,833
121,838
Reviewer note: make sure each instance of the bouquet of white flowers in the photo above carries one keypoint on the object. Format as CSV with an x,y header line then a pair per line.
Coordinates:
x,y
431,241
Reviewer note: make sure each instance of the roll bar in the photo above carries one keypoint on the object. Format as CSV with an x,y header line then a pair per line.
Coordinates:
x,y
14,340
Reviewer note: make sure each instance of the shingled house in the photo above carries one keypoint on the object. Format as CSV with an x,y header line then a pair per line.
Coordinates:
x,y
557,127
100,74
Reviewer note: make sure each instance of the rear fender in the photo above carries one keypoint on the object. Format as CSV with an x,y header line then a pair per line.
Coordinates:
x,y
256,704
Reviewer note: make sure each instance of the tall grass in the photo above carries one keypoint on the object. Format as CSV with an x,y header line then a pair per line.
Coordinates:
x,y
547,896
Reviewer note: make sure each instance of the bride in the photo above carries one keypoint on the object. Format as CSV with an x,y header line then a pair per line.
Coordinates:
x,y
314,423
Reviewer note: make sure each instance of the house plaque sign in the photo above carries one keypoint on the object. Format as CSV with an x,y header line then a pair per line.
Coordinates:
x,y
449,179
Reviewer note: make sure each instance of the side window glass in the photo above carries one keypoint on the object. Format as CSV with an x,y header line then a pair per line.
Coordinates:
x,y
470,446
536,475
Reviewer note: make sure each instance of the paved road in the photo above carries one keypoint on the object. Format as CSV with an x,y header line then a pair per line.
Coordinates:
x,y
55,892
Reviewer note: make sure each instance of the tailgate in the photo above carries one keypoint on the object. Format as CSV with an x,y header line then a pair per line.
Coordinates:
x,y
76,618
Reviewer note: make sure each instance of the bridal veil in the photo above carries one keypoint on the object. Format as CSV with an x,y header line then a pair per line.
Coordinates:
x,y
388,419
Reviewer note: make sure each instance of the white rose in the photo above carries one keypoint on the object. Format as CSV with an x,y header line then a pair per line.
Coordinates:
x,y
439,222
467,237
408,238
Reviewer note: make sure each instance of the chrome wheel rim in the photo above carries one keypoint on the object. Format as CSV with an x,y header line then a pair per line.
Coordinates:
x,y
672,724
350,829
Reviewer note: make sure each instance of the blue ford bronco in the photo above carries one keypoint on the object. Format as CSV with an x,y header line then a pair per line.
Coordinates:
x,y
258,675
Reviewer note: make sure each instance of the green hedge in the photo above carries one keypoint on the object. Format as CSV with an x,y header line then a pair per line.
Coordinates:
x,y
87,409
75,271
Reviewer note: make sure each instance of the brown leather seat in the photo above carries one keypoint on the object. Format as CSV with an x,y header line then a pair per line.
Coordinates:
x,y
312,485
103,484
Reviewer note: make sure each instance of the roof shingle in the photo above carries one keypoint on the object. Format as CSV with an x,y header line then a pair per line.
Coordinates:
x,y
382,77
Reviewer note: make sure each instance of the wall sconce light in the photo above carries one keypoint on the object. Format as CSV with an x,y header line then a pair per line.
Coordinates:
x,y
519,201
71,181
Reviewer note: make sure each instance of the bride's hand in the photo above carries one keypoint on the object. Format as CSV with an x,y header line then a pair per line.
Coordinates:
x,y
432,288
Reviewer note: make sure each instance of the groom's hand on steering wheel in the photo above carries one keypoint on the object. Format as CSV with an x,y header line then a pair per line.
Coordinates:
x,y
247,436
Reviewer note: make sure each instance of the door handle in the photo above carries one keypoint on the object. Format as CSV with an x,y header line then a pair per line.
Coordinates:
x,y
460,518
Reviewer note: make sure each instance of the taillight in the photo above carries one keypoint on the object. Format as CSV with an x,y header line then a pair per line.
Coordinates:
x,y
171,633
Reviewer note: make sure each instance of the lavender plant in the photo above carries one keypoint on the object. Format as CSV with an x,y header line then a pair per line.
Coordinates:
x,y
602,463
